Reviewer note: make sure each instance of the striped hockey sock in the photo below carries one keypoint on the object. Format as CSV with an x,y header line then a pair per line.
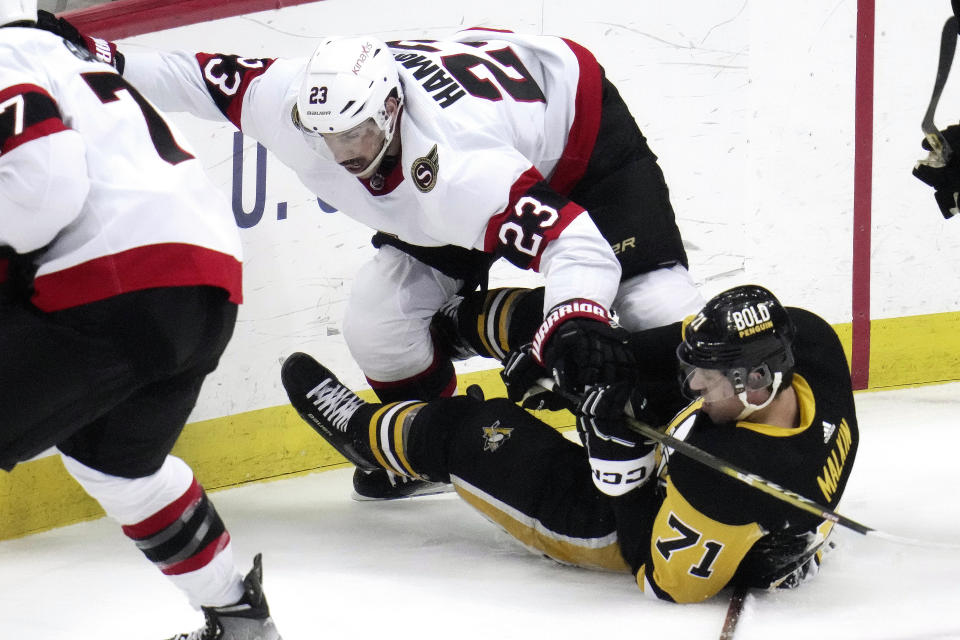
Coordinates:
x,y
182,537
172,521
388,430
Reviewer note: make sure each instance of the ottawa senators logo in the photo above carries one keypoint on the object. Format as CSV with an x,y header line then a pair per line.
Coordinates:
x,y
424,170
495,435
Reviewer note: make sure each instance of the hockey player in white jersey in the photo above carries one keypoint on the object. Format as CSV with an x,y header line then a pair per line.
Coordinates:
x,y
120,276
490,145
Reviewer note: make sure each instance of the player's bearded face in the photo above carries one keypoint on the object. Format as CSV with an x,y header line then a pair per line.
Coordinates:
x,y
356,148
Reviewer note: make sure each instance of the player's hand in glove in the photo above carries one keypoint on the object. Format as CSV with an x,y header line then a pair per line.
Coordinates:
x,y
620,458
521,375
102,50
579,347
944,178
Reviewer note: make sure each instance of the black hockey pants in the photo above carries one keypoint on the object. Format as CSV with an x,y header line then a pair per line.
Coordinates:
x,y
109,383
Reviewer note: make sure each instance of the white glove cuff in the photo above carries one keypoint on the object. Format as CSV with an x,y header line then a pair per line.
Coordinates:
x,y
618,477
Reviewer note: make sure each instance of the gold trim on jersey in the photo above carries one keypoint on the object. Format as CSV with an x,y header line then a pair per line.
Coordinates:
x,y
808,410
693,555
683,414
592,553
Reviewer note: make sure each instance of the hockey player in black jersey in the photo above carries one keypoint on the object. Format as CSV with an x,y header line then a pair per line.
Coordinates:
x,y
770,392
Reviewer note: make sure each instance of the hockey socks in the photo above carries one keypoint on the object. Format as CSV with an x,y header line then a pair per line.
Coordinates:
x,y
172,521
182,537
489,323
387,431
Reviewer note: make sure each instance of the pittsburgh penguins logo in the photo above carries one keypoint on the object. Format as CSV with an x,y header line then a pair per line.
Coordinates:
x,y
495,435
424,170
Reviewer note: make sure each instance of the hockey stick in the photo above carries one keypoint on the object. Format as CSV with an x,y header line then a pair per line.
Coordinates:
x,y
948,43
773,489
737,600
757,482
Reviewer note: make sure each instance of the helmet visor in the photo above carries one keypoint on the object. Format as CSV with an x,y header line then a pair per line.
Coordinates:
x,y
712,385
357,149
363,138
715,385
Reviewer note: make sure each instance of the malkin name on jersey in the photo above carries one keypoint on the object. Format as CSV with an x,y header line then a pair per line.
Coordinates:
x,y
830,475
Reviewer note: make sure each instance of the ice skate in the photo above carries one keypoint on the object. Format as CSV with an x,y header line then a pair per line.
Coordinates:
x,y
248,619
385,485
327,406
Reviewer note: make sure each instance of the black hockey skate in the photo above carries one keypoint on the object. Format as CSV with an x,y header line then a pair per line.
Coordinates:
x,y
248,619
327,406
384,485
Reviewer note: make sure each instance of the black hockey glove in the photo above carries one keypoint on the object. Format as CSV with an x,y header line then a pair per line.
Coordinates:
x,y
621,459
521,375
580,348
102,50
944,178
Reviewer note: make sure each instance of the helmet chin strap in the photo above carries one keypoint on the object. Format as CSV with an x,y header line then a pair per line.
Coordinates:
x,y
375,163
387,139
748,408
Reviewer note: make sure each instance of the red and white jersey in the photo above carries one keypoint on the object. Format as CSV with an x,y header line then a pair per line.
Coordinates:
x,y
496,129
94,179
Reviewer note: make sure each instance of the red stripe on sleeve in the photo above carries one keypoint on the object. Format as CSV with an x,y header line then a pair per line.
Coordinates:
x,y
228,77
33,115
33,132
17,89
567,215
529,183
586,122
523,184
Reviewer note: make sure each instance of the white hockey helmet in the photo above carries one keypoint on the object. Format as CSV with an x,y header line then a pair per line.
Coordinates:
x,y
17,11
346,83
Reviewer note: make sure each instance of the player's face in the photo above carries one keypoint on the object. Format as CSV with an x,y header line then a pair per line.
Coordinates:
x,y
720,401
356,148
725,410
710,384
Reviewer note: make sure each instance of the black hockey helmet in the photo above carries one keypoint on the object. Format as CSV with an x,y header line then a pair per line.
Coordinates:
x,y
746,334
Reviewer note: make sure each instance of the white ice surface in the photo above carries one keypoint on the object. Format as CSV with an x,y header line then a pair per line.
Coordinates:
x,y
433,568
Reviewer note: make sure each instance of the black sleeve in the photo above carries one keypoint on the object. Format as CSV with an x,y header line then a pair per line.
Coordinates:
x,y
634,514
656,353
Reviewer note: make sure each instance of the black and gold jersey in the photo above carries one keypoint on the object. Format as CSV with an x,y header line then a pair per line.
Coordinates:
x,y
711,530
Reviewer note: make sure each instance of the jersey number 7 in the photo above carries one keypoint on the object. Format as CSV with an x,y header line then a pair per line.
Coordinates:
x,y
109,87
